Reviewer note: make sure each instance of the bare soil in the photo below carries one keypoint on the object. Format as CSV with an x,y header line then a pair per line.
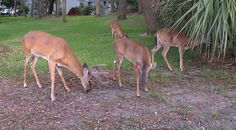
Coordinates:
x,y
188,100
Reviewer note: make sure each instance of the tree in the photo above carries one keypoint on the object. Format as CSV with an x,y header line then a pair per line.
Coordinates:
x,y
122,9
51,4
32,8
98,8
41,8
139,7
113,9
57,8
64,10
150,15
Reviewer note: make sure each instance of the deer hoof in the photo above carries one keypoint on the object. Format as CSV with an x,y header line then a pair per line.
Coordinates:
x,y
25,85
53,98
146,90
40,85
68,89
138,96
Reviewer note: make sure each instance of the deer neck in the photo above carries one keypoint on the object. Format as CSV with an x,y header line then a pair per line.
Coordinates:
x,y
75,66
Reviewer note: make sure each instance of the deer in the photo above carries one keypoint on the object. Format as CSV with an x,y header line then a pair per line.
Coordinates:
x,y
38,44
170,37
137,54
117,31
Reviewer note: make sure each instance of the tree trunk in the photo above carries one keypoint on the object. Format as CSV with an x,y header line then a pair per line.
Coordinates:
x,y
113,9
51,3
57,8
139,7
15,8
32,8
98,8
150,15
64,10
41,8
122,10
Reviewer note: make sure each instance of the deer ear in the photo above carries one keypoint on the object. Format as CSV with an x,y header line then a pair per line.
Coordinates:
x,y
85,65
126,34
85,71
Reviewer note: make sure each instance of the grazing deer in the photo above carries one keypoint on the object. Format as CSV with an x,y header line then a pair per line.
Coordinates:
x,y
169,37
58,54
116,31
138,55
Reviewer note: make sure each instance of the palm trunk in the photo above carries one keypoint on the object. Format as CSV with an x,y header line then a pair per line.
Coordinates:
x,y
150,15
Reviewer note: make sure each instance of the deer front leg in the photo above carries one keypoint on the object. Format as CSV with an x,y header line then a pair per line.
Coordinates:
x,y
137,73
52,65
119,64
164,53
33,63
59,70
181,53
114,70
25,69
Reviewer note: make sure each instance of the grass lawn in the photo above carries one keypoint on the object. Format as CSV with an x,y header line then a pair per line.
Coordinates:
x,y
88,36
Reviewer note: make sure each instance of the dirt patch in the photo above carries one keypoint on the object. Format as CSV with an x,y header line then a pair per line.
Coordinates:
x,y
189,101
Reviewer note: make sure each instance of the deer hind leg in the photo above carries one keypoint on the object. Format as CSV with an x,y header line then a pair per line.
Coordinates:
x,y
114,70
25,68
113,35
52,65
164,53
117,63
137,73
59,70
154,50
32,65
181,53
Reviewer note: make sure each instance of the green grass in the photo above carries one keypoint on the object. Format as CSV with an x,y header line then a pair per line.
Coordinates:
x,y
88,36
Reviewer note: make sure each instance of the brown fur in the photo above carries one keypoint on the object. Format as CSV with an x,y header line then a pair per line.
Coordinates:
x,y
135,53
56,50
169,37
116,31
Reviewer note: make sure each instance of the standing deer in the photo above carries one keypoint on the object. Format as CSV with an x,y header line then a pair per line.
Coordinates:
x,y
169,37
116,31
58,54
138,55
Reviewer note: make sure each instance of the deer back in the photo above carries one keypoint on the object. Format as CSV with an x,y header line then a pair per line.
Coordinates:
x,y
172,37
133,51
49,47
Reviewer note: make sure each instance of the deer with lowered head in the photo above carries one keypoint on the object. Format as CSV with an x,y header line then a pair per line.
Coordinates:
x,y
137,54
170,37
116,31
56,51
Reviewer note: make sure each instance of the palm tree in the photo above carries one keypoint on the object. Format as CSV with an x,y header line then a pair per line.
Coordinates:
x,y
213,21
